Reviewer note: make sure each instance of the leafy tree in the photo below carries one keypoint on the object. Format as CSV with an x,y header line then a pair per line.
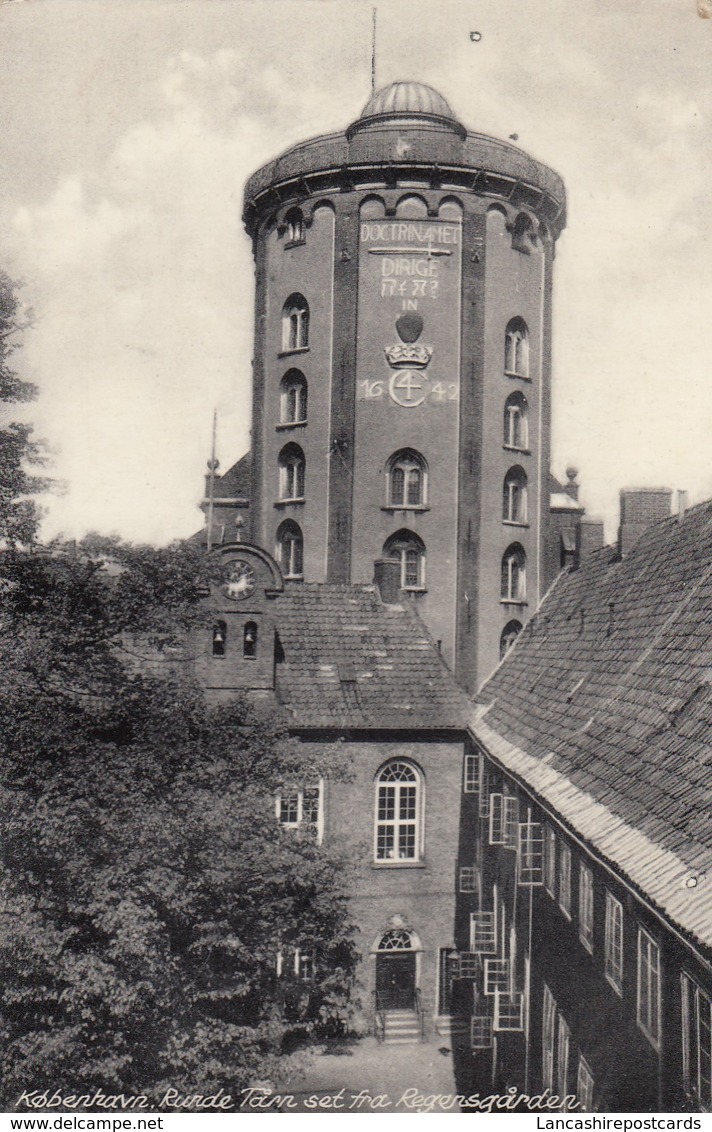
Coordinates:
x,y
18,451
147,889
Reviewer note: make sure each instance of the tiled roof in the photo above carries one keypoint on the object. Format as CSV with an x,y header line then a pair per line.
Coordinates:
x,y
604,707
352,662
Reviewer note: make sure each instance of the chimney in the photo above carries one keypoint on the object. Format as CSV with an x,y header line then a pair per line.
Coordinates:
x,y
590,537
681,503
387,576
572,488
640,508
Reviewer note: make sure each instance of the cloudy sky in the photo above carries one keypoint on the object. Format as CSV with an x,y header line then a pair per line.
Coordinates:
x,y
130,127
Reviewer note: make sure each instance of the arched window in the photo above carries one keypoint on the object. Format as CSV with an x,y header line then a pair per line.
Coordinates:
x,y
516,348
293,398
407,479
514,573
523,237
514,496
295,226
509,635
410,552
295,323
219,638
397,939
292,466
398,812
289,551
249,639
516,423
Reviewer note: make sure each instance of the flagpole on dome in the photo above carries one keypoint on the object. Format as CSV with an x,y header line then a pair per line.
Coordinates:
x,y
213,465
373,52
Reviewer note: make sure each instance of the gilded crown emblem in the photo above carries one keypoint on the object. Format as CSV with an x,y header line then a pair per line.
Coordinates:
x,y
408,355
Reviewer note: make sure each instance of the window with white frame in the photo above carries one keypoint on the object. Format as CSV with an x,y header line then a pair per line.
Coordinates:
x,y
295,226
398,812
516,348
410,551
304,967
548,1038
586,906
509,635
550,861
514,496
530,853
302,809
584,1085
563,1042
293,398
292,474
503,820
514,575
696,1043
516,422
295,324
471,774
613,955
289,550
407,478
565,880
648,987
468,879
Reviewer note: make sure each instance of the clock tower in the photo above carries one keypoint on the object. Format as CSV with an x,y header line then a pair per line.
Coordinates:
x,y
402,366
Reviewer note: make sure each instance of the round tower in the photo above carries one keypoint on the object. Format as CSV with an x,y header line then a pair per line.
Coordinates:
x,y
402,365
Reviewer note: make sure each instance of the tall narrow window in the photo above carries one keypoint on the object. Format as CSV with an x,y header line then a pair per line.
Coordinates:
x,y
514,496
292,473
410,551
249,639
514,578
562,1058
398,801
586,906
219,638
295,324
614,943
516,348
295,226
293,398
649,987
290,550
407,479
516,422
696,1043
584,1086
548,1036
550,861
509,635
565,881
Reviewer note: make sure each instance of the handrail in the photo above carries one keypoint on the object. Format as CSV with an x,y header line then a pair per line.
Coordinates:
x,y
379,1017
419,1010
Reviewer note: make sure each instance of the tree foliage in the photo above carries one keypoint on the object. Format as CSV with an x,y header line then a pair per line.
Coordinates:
x,y
146,886
18,451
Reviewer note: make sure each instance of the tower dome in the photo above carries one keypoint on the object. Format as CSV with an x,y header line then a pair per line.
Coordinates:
x,y
408,100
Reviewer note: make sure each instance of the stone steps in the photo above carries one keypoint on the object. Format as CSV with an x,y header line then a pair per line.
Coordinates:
x,y
401,1027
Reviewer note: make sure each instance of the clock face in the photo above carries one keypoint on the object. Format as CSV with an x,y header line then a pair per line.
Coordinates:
x,y
239,580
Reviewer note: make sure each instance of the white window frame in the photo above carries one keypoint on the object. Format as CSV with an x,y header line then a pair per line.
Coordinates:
x,y
407,462
514,576
648,988
292,477
548,1038
565,879
288,540
550,861
516,349
563,1048
696,1042
586,906
468,879
514,509
614,940
294,384
398,823
516,432
302,823
530,854
295,326
584,1085
471,774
